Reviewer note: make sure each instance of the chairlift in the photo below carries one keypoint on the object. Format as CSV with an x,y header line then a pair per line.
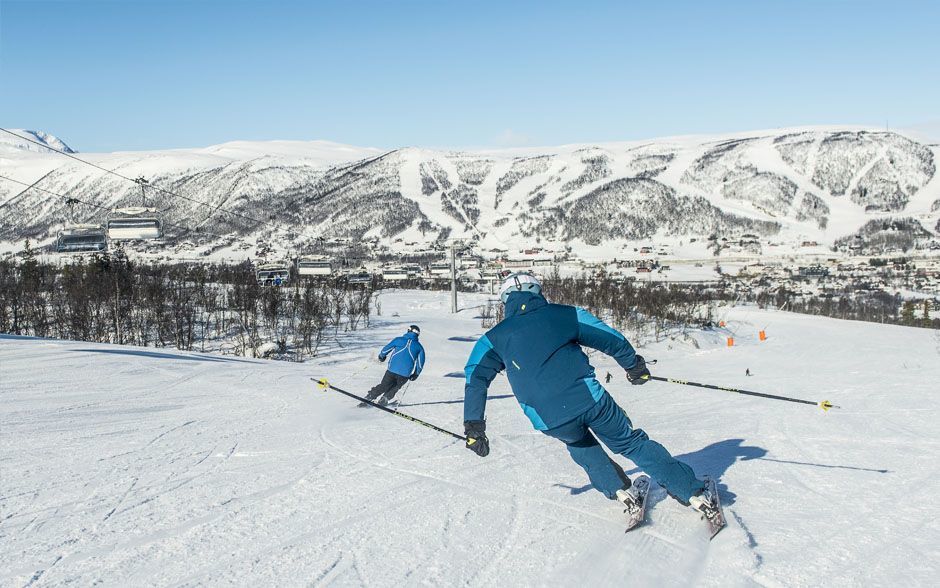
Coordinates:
x,y
440,268
137,222
81,238
272,274
360,277
394,274
314,265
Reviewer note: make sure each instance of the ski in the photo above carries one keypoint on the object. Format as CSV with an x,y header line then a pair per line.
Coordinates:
x,y
636,512
712,513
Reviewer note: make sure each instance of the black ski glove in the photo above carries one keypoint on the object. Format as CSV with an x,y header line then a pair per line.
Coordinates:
x,y
639,374
413,377
476,437
382,358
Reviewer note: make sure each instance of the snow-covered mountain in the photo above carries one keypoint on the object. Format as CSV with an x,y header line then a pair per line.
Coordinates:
x,y
819,184
9,142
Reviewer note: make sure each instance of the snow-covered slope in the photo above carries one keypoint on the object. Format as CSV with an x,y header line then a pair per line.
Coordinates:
x,y
817,184
134,466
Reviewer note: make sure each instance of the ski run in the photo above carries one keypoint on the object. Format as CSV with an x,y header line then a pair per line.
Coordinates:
x,y
141,466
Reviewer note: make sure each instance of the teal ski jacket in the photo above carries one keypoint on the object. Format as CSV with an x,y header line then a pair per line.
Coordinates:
x,y
539,346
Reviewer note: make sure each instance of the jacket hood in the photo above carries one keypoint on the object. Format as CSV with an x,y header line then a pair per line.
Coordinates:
x,y
522,302
411,335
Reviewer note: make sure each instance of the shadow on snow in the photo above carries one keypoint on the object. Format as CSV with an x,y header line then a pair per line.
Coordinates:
x,y
158,355
497,397
715,459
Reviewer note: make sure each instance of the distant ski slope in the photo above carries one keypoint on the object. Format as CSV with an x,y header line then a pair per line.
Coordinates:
x,y
143,466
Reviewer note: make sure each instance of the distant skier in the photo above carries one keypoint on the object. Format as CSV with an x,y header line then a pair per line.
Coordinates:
x,y
406,362
539,346
747,372
607,378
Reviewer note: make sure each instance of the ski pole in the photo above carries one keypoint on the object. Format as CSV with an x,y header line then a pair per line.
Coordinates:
x,y
825,404
402,396
324,384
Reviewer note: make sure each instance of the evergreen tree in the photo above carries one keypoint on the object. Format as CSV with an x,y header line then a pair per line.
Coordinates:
x,y
907,313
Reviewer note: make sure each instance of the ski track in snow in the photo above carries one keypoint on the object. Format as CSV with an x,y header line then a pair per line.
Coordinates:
x,y
133,468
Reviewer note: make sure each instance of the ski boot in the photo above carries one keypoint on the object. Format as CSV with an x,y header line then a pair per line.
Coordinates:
x,y
701,503
708,504
631,499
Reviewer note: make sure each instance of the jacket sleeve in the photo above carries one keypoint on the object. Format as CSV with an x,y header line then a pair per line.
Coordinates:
x,y
419,361
596,334
482,366
391,346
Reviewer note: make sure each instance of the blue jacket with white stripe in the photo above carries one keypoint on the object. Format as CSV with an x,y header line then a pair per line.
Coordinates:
x,y
406,353
539,346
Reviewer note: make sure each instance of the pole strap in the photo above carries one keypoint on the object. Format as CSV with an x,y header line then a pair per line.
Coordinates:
x,y
825,404
324,384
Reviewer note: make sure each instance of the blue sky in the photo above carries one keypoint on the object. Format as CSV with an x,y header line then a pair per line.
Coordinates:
x,y
139,74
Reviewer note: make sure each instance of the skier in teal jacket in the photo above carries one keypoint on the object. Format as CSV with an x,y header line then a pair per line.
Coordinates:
x,y
539,346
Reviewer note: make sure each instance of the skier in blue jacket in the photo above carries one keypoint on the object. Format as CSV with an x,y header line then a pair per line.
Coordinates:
x,y
406,360
539,346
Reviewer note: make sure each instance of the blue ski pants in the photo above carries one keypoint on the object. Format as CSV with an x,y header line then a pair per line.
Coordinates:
x,y
612,426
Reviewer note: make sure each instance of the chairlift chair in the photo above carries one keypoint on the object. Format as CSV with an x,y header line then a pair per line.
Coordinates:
x,y
441,268
314,265
137,222
272,274
360,277
81,238
394,274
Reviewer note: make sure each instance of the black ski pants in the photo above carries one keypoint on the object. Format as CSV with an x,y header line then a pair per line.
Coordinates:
x,y
389,386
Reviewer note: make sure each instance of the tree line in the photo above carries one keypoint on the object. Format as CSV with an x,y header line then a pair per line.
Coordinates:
x,y
206,307
651,310
645,310
851,304
109,298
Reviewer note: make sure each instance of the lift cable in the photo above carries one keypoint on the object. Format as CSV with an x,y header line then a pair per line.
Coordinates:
x,y
137,181
71,200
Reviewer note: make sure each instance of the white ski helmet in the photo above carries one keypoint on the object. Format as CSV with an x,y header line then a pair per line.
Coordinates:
x,y
519,282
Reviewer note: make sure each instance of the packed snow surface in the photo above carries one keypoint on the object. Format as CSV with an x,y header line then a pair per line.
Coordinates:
x,y
142,466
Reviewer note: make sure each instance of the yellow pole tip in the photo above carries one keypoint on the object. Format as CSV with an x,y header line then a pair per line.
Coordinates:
x,y
825,405
323,384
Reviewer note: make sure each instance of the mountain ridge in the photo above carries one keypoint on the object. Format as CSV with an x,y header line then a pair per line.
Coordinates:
x,y
819,184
